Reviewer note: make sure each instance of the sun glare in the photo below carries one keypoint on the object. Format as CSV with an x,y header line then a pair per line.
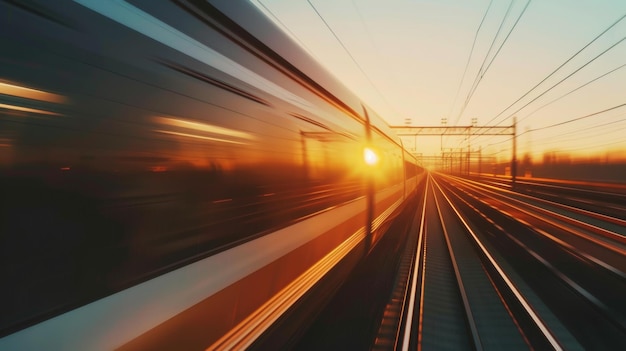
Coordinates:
x,y
370,156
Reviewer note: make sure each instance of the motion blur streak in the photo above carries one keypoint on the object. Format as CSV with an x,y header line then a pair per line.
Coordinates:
x,y
27,109
197,136
203,127
149,26
29,93
205,164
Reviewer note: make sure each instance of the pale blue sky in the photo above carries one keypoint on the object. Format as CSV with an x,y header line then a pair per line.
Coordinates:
x,y
414,54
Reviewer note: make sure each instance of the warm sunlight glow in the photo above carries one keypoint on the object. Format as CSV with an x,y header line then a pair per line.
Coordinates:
x,y
560,107
204,127
188,135
370,156
27,109
29,93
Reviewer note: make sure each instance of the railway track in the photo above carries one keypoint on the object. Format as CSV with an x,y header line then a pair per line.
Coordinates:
x,y
602,198
491,269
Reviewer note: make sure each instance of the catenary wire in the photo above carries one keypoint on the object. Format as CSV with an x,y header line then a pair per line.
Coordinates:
x,y
469,58
349,54
557,69
566,94
573,90
480,72
563,123
561,81
293,35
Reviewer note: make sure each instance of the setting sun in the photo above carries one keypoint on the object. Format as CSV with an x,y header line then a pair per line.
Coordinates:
x,y
370,156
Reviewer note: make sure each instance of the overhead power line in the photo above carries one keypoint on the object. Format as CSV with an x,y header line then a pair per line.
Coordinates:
x,y
507,36
376,50
493,58
558,68
293,35
599,130
480,74
574,90
349,54
562,123
568,76
562,80
576,119
604,145
469,58
568,93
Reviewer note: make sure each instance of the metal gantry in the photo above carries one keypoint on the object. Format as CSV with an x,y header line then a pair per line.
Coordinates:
x,y
468,131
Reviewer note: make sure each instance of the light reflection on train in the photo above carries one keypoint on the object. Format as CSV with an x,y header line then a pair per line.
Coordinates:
x,y
175,174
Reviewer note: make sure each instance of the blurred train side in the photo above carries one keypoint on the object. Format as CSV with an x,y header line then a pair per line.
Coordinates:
x,y
170,170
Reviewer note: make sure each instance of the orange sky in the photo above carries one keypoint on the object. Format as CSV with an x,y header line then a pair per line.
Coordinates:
x,y
409,58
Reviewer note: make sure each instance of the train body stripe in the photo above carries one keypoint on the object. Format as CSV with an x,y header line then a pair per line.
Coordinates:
x,y
142,22
115,320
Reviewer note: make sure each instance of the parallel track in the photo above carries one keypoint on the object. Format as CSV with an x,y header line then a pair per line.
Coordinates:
x,y
486,268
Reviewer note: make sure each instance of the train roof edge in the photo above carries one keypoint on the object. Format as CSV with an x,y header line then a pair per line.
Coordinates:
x,y
257,24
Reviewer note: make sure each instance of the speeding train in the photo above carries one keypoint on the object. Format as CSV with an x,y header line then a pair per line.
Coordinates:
x,y
177,175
